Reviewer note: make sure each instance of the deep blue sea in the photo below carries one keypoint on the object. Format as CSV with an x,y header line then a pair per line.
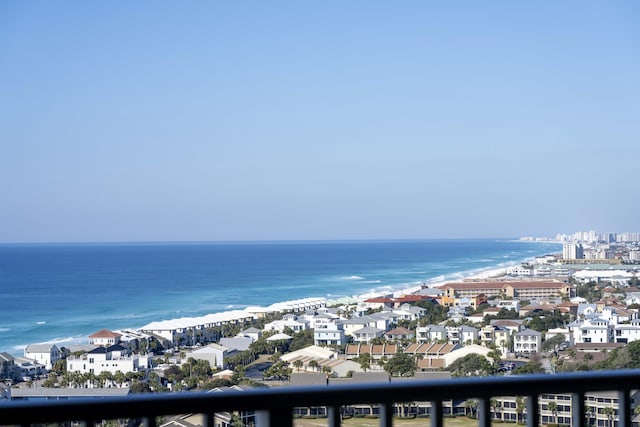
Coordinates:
x,y
64,292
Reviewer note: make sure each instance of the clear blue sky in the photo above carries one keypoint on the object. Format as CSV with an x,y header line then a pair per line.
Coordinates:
x,y
260,120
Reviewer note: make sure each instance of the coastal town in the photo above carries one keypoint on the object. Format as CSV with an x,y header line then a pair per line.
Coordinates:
x,y
571,311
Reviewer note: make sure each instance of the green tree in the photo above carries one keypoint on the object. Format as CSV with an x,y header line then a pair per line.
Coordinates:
x,y
364,359
531,367
553,408
434,312
496,407
520,407
401,365
314,364
471,365
470,406
301,340
297,364
609,412
553,344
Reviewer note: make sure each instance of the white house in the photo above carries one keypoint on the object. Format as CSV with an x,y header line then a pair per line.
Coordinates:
x,y
213,353
527,342
590,330
288,321
367,333
627,333
44,354
104,338
462,334
431,333
328,336
107,359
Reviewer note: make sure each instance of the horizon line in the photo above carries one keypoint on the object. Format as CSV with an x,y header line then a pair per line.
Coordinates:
x,y
263,241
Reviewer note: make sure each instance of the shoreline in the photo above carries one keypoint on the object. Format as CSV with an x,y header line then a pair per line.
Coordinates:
x,y
331,299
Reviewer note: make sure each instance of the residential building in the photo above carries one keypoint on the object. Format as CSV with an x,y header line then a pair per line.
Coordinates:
x,y
399,333
366,334
511,289
377,351
104,338
626,333
431,333
527,342
107,359
215,354
329,336
44,354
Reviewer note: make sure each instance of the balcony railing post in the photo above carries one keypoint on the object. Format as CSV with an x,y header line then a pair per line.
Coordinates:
x,y
624,409
386,415
533,411
333,415
147,421
484,413
436,413
274,418
578,414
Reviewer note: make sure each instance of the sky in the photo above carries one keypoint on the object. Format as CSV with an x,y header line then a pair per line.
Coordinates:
x,y
290,120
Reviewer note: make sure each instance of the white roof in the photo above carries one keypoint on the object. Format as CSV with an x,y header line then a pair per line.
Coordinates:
x,y
279,337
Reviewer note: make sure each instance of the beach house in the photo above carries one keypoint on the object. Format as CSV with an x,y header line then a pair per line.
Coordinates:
x,y
107,359
527,342
44,354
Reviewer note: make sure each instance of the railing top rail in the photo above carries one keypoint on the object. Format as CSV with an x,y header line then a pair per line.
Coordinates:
x,y
133,406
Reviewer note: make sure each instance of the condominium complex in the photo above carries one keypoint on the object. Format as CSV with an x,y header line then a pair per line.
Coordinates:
x,y
519,289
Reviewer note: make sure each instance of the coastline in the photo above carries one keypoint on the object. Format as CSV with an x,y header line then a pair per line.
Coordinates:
x,y
360,280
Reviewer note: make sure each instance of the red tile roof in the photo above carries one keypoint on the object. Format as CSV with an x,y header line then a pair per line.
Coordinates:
x,y
105,333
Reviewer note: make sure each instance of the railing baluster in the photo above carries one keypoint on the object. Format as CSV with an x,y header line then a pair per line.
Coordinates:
x,y
624,409
577,409
333,416
386,415
274,418
436,413
149,421
208,419
484,415
533,411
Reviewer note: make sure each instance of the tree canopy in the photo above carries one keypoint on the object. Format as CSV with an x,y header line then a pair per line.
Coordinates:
x,y
471,364
401,365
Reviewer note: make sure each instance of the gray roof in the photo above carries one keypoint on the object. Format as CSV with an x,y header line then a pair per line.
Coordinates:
x,y
39,348
6,357
444,375
306,378
368,330
240,343
45,392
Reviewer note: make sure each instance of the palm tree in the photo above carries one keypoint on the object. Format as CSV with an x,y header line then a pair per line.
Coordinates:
x,y
297,364
589,412
553,408
609,412
496,406
472,406
519,407
314,364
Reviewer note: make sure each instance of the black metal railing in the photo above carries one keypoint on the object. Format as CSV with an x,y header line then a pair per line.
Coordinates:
x,y
274,407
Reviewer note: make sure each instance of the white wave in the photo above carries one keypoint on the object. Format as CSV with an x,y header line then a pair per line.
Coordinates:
x,y
372,281
42,322
229,306
5,329
352,278
72,340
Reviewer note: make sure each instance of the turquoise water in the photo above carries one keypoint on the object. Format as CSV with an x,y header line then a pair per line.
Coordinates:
x,y
62,293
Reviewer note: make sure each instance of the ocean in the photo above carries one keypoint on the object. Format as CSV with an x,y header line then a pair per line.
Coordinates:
x,y
64,292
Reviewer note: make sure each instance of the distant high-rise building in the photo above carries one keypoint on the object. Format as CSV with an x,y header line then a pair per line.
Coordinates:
x,y
572,250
